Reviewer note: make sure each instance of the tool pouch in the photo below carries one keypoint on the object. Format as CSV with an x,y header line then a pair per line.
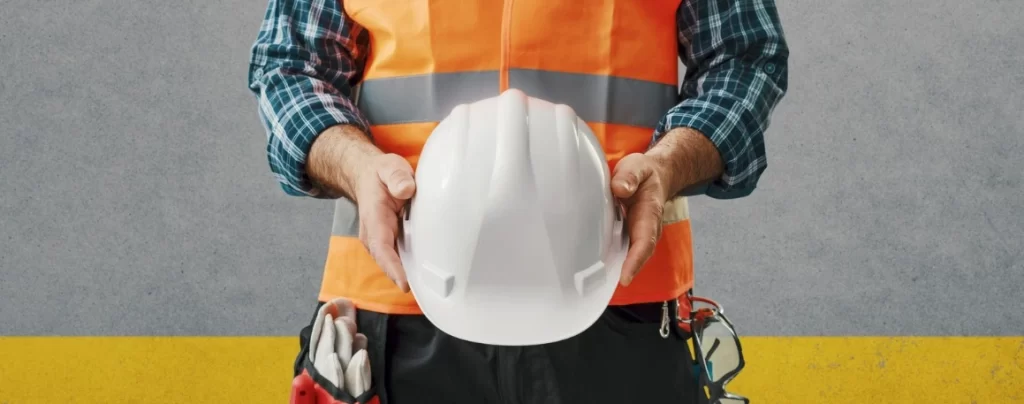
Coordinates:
x,y
312,387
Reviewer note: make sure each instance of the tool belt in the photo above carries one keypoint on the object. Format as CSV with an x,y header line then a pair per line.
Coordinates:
x,y
335,364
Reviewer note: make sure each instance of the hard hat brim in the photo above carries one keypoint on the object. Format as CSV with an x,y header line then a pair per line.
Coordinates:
x,y
517,316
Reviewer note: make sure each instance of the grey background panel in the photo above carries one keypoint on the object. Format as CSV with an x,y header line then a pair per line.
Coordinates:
x,y
135,196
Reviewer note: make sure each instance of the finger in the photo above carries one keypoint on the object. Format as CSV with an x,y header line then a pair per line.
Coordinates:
x,y
644,221
380,226
382,248
629,173
396,173
388,260
362,230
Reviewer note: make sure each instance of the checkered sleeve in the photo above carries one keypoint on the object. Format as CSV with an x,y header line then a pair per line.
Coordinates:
x,y
736,73
305,60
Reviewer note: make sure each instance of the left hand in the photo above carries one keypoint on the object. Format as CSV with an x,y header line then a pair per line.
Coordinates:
x,y
638,182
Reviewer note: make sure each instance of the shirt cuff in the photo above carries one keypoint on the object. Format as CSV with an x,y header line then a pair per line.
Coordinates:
x,y
289,155
741,150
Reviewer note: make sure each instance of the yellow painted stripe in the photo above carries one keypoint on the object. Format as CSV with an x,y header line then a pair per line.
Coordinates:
x,y
813,370
160,370
819,370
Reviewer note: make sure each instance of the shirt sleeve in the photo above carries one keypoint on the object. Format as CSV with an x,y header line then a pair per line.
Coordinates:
x,y
306,59
736,72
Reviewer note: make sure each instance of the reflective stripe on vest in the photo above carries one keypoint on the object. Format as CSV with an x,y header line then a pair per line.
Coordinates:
x,y
613,61
387,101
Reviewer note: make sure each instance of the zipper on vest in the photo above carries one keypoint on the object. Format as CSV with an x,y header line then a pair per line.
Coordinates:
x,y
506,45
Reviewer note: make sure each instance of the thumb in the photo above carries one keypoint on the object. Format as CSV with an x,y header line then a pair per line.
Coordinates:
x,y
396,173
628,174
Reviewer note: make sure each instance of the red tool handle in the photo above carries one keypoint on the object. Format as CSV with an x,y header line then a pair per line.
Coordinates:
x,y
303,390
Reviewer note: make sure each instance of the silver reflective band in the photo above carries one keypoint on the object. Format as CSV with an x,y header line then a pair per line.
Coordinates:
x,y
595,98
346,218
606,99
424,98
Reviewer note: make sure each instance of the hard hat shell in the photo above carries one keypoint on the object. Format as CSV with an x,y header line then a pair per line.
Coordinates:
x,y
513,236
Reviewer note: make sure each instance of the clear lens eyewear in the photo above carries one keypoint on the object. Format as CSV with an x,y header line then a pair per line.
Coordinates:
x,y
731,399
718,349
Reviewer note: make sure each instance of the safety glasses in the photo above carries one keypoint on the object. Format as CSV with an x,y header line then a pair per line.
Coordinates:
x,y
718,351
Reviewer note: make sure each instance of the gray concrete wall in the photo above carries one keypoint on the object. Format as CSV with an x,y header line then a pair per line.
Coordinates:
x,y
135,196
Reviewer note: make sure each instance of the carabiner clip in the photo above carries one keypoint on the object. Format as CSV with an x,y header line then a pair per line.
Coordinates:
x,y
664,331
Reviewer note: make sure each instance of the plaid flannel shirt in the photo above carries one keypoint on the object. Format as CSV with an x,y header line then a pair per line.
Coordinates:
x,y
309,54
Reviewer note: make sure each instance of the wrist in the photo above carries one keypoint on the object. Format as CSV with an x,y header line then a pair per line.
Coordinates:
x,y
355,161
683,158
338,157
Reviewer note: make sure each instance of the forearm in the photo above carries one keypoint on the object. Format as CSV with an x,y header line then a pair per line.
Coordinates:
x,y
736,73
335,159
296,111
306,59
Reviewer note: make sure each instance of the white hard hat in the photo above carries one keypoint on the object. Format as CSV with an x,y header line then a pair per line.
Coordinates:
x,y
513,236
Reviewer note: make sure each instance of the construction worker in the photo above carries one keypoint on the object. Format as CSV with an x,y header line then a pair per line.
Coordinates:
x,y
349,90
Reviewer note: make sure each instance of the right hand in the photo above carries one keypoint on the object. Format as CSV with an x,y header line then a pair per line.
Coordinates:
x,y
382,187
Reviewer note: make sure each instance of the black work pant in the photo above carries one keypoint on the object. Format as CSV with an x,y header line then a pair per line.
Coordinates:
x,y
621,359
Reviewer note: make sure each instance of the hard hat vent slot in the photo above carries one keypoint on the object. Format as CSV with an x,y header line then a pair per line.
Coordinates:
x,y
438,281
589,279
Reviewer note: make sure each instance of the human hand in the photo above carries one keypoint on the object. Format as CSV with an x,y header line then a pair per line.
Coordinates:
x,y
639,184
381,188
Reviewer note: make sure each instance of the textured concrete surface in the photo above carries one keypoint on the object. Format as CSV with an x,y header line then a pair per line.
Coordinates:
x,y
135,196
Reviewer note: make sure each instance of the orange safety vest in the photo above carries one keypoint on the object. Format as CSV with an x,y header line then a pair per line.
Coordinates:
x,y
613,61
